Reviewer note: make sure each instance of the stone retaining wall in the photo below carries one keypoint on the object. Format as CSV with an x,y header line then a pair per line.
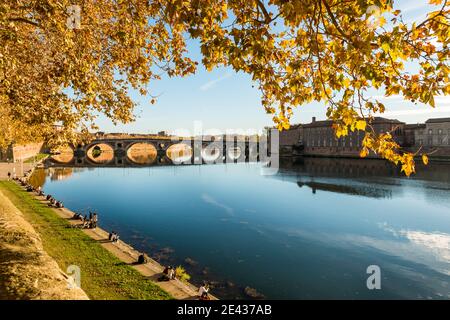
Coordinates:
x,y
23,152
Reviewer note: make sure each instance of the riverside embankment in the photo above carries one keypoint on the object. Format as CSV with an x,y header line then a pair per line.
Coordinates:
x,y
108,270
26,270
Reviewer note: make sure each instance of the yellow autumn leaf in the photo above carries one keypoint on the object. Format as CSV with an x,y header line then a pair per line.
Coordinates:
x,y
286,125
408,169
289,69
364,152
425,159
346,82
361,125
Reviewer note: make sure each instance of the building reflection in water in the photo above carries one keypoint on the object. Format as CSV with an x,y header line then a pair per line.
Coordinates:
x,y
337,167
371,178
362,168
350,190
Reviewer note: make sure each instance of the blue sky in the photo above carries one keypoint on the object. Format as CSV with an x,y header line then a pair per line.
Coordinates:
x,y
225,100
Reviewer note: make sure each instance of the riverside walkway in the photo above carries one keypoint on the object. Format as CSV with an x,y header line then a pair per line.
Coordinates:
x,y
18,168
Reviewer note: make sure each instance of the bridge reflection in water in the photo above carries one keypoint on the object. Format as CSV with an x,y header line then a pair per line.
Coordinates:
x,y
369,178
148,152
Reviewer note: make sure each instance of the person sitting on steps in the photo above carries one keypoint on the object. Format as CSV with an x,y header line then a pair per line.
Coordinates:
x,y
203,292
142,259
76,216
94,221
165,274
173,274
114,237
85,222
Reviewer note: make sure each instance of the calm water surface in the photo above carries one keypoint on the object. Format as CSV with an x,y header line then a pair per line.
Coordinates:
x,y
309,231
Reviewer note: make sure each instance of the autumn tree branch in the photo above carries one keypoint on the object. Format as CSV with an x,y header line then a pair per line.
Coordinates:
x,y
334,21
25,20
267,17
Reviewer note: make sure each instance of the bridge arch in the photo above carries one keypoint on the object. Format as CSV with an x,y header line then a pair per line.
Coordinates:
x,y
63,155
234,153
142,153
100,153
179,152
212,153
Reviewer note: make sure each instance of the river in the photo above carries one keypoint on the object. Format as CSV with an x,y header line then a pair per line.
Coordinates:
x,y
309,231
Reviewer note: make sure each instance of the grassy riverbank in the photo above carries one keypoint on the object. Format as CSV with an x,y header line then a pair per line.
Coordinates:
x,y
103,276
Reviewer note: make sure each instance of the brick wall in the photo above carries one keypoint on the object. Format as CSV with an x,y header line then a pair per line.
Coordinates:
x,y
289,138
23,152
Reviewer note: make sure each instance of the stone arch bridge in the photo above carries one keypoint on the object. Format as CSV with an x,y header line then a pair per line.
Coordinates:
x,y
114,152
